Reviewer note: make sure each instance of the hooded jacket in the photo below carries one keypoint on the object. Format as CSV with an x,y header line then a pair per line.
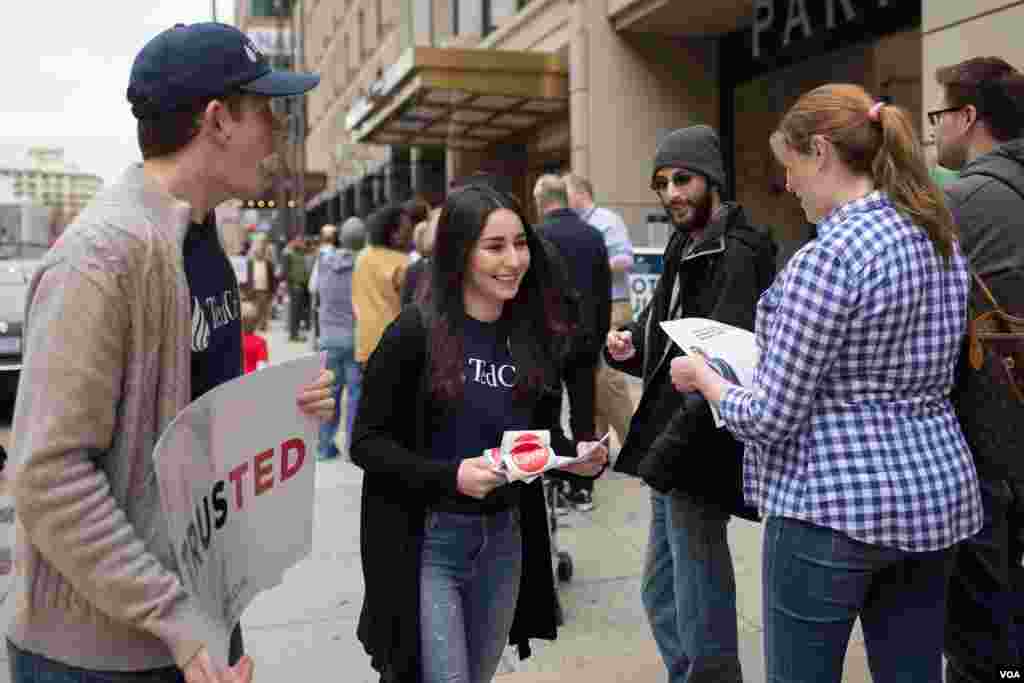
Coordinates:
x,y
988,204
334,285
673,442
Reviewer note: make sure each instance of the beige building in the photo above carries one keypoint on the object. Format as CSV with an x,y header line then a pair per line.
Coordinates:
x,y
418,92
46,179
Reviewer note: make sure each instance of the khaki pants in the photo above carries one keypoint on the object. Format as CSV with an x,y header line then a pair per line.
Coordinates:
x,y
613,405
263,300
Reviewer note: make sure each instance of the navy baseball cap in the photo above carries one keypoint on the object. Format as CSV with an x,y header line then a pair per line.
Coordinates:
x,y
189,63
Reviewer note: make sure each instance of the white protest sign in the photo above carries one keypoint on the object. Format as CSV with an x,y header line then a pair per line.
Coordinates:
x,y
236,475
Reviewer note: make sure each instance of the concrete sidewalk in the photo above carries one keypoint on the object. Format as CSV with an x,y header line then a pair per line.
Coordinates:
x,y
304,630
306,627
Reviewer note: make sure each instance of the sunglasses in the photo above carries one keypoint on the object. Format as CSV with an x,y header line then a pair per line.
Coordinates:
x,y
679,179
935,116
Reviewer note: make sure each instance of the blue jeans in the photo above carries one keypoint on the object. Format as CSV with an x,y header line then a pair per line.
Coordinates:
x,y
689,590
26,667
469,584
348,374
817,581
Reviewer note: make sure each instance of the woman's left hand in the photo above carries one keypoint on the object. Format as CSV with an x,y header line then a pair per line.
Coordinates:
x,y
597,458
317,399
686,372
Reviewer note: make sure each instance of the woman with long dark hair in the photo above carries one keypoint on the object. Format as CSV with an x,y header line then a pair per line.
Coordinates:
x,y
853,453
456,560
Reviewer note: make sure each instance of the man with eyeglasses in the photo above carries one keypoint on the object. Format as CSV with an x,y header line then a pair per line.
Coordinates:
x,y
133,314
716,266
979,131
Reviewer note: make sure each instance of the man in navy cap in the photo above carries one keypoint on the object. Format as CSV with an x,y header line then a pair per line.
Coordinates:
x,y
133,314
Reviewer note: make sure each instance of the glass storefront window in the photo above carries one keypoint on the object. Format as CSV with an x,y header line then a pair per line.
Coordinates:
x,y
483,16
269,8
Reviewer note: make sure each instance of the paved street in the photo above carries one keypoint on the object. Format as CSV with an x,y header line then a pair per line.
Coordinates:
x,y
304,630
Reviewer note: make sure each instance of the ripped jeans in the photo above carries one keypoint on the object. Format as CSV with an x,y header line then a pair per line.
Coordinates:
x,y
469,584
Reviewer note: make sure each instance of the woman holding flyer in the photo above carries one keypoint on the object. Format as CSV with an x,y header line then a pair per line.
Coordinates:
x,y
853,453
457,559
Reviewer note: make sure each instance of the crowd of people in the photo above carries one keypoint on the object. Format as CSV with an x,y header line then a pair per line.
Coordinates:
x,y
877,442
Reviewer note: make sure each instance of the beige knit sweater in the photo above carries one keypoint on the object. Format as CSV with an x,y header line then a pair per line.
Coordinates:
x,y
106,368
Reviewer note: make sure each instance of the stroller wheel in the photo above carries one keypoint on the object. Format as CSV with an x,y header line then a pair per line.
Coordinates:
x,y
564,570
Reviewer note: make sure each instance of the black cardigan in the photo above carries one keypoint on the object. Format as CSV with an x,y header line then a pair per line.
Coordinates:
x,y
390,443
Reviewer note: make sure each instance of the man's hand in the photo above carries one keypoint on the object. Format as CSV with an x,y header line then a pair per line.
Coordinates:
x,y
317,399
477,477
620,345
201,669
596,458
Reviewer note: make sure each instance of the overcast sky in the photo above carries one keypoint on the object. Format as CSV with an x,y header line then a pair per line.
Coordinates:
x,y
66,73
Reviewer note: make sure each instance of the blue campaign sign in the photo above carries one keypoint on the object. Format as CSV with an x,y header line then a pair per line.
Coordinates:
x,y
647,267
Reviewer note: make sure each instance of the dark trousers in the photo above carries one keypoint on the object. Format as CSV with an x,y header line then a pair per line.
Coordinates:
x,y
985,607
578,375
298,309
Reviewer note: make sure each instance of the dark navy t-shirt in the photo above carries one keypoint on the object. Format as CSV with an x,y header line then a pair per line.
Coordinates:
x,y
216,320
488,407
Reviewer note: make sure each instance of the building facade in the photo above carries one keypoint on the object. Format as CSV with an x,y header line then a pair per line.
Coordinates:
x,y
275,30
46,180
417,93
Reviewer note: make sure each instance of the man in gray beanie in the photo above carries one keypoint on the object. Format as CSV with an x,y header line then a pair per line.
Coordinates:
x,y
716,266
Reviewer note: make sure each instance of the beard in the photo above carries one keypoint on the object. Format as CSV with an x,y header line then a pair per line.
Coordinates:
x,y
699,214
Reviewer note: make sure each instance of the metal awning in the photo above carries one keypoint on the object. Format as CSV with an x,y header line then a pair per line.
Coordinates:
x,y
460,98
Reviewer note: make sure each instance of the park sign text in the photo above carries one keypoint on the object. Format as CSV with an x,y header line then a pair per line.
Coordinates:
x,y
780,24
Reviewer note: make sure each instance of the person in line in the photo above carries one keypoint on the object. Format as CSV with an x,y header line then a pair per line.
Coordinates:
x,y
613,404
261,277
716,266
338,332
854,455
254,346
585,258
132,314
296,272
456,560
979,131
423,237
418,210
378,277
328,243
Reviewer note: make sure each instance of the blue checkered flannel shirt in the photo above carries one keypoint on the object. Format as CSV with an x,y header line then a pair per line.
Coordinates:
x,y
848,424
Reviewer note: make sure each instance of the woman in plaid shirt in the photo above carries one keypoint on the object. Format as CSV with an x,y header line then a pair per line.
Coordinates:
x,y
854,456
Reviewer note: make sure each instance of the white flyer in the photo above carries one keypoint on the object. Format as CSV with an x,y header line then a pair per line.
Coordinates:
x,y
731,351
236,475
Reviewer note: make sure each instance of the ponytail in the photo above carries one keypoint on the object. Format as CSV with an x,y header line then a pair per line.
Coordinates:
x,y
876,140
900,170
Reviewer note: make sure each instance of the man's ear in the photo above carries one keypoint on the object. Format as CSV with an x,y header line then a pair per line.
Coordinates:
x,y
970,113
217,121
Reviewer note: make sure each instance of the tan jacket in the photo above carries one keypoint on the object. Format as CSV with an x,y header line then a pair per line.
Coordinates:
x,y
106,368
376,284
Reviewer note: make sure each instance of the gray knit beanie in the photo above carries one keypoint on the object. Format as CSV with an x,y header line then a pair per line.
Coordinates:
x,y
696,149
